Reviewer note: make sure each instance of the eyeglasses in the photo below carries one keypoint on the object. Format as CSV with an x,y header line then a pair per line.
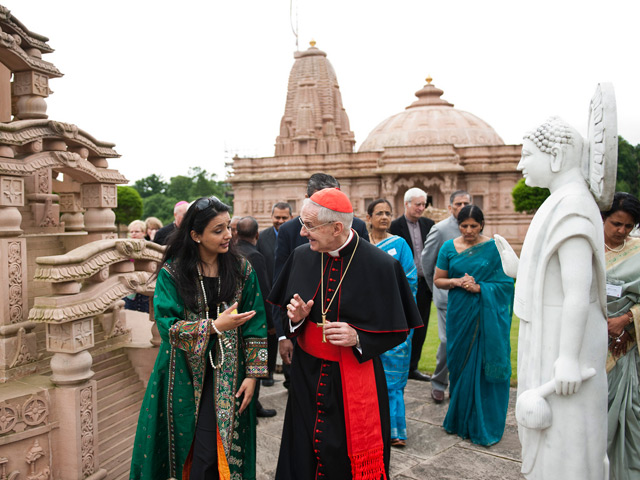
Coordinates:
x,y
311,229
205,203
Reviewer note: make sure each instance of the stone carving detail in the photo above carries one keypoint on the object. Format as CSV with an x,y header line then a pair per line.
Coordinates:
x,y
67,130
30,83
70,202
23,355
4,460
35,411
43,181
38,161
70,337
112,252
86,431
11,191
15,282
99,196
9,415
49,217
36,452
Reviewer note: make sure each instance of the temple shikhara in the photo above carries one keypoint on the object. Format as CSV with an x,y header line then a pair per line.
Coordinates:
x,y
430,145
72,374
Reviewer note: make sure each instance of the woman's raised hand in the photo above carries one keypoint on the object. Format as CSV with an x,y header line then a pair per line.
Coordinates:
x,y
230,318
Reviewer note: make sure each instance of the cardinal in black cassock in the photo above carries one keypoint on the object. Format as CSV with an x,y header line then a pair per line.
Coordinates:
x,y
336,423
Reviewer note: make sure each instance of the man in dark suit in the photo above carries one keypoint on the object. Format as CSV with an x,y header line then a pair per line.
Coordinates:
x,y
280,213
414,228
247,228
288,240
162,235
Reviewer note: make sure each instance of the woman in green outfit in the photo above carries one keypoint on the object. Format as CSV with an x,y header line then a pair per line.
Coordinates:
x,y
197,419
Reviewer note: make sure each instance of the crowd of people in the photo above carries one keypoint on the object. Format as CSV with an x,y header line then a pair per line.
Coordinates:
x,y
230,298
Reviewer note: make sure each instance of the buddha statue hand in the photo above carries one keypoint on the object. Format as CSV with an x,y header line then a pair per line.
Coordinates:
x,y
508,257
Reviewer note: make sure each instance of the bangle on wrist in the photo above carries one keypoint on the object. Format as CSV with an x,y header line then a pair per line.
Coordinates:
x,y
215,329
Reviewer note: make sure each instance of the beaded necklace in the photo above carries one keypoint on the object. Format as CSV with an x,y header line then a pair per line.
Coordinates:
x,y
210,323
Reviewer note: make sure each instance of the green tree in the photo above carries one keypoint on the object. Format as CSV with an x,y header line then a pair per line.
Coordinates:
x,y
159,206
129,206
151,185
628,179
180,187
528,199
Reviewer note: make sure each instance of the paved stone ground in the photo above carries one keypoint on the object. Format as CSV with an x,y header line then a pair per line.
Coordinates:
x,y
430,454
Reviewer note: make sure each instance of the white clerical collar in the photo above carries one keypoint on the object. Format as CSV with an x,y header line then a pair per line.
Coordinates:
x,y
336,253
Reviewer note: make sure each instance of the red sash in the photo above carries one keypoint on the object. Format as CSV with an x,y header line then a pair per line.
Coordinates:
x,y
361,410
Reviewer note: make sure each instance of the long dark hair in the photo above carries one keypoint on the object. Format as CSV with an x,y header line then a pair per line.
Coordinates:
x,y
373,205
184,257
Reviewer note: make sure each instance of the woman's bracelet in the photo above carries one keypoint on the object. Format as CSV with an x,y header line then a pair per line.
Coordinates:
x,y
630,314
215,329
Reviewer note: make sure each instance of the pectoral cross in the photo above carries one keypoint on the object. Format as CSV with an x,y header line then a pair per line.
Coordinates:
x,y
321,325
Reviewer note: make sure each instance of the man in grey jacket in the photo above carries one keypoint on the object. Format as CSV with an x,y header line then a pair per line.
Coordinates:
x,y
440,233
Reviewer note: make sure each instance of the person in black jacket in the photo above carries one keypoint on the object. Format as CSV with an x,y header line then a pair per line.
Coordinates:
x,y
414,228
162,235
247,229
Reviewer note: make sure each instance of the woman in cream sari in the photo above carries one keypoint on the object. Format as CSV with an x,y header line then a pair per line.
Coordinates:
x,y
622,255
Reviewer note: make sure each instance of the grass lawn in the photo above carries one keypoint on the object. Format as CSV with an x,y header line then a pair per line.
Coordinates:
x,y
428,357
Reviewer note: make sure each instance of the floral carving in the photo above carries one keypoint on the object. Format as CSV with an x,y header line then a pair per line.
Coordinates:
x,y
12,192
23,355
8,417
86,431
15,282
43,181
35,411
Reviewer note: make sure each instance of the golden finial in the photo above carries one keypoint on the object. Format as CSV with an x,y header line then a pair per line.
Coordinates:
x,y
429,79
312,43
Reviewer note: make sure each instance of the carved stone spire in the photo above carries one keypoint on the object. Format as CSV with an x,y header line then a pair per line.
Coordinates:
x,y
314,120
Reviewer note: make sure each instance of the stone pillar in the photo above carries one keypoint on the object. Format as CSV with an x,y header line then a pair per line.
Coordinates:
x,y
76,439
71,211
17,343
29,91
98,199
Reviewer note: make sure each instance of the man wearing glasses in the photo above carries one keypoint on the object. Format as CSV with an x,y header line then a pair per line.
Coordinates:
x,y
289,238
414,228
346,302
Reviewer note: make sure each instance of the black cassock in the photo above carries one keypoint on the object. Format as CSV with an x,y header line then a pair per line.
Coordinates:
x,y
376,300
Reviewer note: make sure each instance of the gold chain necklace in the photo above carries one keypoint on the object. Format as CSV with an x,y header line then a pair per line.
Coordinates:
x,y
322,309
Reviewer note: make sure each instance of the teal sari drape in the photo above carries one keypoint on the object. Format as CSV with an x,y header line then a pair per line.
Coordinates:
x,y
396,361
478,347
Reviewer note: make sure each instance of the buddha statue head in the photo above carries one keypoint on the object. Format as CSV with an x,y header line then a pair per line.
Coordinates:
x,y
552,148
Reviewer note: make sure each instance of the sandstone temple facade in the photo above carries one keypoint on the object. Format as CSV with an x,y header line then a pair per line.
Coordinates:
x,y
71,381
430,145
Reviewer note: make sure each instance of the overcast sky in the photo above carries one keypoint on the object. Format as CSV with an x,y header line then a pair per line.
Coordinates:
x,y
192,82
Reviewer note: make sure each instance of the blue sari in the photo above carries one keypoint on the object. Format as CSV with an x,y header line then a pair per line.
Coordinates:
x,y
478,347
396,361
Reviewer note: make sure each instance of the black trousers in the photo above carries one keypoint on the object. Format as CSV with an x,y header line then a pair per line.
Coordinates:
x,y
423,299
204,465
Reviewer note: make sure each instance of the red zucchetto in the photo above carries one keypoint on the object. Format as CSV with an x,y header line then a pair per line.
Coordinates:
x,y
333,199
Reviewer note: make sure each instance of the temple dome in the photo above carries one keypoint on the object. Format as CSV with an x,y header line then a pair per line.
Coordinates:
x,y
431,120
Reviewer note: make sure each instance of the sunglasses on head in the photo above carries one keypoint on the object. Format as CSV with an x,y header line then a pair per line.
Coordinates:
x,y
205,203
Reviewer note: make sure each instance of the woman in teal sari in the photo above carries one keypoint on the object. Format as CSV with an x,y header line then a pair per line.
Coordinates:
x,y
197,419
395,361
478,330
622,256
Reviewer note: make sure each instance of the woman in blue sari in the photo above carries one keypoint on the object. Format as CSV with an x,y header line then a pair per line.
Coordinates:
x,y
478,330
396,360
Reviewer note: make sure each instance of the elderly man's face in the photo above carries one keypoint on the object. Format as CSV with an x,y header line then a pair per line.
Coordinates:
x,y
279,216
414,208
322,236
